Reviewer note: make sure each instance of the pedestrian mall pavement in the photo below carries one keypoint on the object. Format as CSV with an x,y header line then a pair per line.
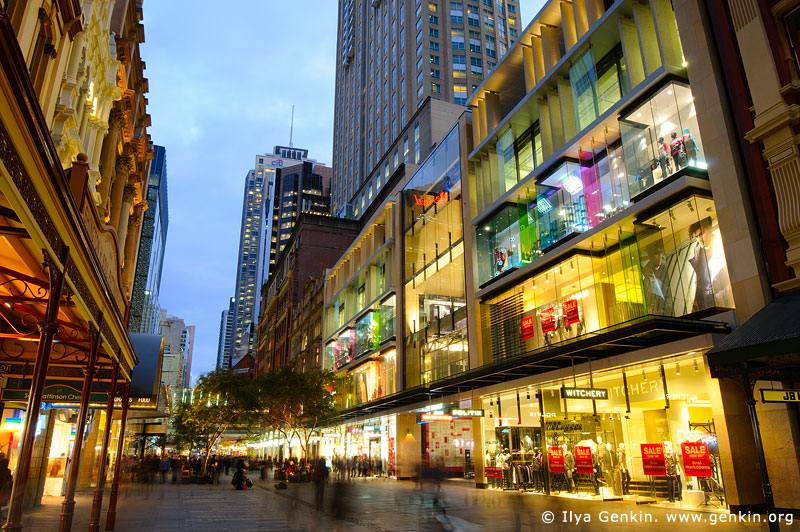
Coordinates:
x,y
367,504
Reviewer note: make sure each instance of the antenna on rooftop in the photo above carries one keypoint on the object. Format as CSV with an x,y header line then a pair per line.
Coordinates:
x,y
291,128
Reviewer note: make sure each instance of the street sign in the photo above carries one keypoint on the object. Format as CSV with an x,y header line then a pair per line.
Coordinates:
x,y
780,396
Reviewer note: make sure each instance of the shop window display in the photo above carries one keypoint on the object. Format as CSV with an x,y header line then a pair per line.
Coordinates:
x,y
638,442
661,138
435,320
506,241
369,381
561,205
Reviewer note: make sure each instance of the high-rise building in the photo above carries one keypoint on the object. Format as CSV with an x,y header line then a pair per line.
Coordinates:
x,y
301,188
145,307
253,244
225,337
390,56
178,346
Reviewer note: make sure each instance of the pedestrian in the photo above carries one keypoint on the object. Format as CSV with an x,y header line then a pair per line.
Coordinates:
x,y
319,476
213,466
6,484
341,504
163,467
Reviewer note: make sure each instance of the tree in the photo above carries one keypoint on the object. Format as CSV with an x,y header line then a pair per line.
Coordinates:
x,y
295,403
220,399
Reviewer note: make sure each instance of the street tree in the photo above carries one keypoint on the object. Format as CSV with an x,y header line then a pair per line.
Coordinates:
x,y
295,403
220,400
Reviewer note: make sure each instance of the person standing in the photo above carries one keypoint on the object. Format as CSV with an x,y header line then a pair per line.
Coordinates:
x,y
319,476
6,484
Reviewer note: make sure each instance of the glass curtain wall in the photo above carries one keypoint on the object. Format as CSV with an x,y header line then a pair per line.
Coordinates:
x,y
661,137
435,298
370,381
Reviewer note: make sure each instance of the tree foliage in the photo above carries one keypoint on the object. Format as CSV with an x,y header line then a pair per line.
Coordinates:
x,y
220,399
295,403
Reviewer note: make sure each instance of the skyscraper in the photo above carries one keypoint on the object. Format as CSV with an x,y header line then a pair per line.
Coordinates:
x,y
391,56
254,245
178,345
225,337
145,307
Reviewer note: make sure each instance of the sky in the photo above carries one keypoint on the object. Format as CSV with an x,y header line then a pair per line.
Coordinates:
x,y
222,84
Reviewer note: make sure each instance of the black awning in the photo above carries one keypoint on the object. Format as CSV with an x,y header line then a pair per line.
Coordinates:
x,y
774,330
146,377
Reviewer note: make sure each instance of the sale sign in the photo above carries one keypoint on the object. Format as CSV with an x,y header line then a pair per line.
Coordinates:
x,y
653,461
527,328
548,320
696,461
555,456
583,460
570,310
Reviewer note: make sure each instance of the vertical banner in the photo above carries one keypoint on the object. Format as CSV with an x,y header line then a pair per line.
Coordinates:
x,y
548,320
653,461
696,460
583,460
555,457
570,310
527,328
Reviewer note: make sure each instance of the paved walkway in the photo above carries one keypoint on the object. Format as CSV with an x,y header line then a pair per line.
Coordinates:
x,y
372,504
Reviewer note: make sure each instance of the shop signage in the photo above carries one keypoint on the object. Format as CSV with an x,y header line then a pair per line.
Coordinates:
x,y
462,412
331,435
696,461
494,472
583,460
548,320
780,396
570,310
436,417
584,393
555,456
527,328
653,462
54,394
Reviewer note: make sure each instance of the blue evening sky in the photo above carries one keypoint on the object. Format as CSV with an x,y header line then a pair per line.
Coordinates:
x,y
223,80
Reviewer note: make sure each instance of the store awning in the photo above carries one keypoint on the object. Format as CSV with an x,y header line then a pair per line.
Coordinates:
x,y
774,330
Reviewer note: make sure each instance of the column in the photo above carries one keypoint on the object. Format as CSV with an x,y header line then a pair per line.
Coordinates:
x,y
108,156
97,500
111,515
651,57
132,243
47,331
124,216
68,506
122,170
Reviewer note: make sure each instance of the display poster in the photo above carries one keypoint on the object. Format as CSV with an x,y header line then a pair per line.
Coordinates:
x,y
548,320
653,462
555,457
527,328
570,310
493,472
583,460
696,460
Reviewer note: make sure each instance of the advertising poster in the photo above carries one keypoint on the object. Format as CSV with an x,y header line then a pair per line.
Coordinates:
x,y
548,320
570,310
494,472
527,328
653,461
696,461
583,460
556,459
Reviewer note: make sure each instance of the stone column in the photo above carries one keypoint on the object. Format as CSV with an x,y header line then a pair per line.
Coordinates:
x,y
108,155
132,243
124,216
122,169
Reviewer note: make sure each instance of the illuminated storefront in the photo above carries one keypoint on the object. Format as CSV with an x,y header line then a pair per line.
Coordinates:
x,y
643,432
435,297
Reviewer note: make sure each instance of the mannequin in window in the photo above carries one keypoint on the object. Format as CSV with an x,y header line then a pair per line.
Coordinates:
x,y
690,146
625,476
704,291
499,260
677,151
538,482
663,157
569,467
605,461
673,472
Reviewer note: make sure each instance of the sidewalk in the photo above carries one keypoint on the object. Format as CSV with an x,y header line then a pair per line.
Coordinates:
x,y
372,504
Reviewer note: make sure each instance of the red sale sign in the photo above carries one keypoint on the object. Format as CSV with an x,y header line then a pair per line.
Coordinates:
x,y
556,458
696,461
583,460
548,320
570,310
527,328
653,461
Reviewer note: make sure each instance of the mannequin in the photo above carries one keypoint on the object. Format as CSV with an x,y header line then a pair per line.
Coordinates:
x,y
690,146
663,158
538,483
677,150
624,474
673,472
569,467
